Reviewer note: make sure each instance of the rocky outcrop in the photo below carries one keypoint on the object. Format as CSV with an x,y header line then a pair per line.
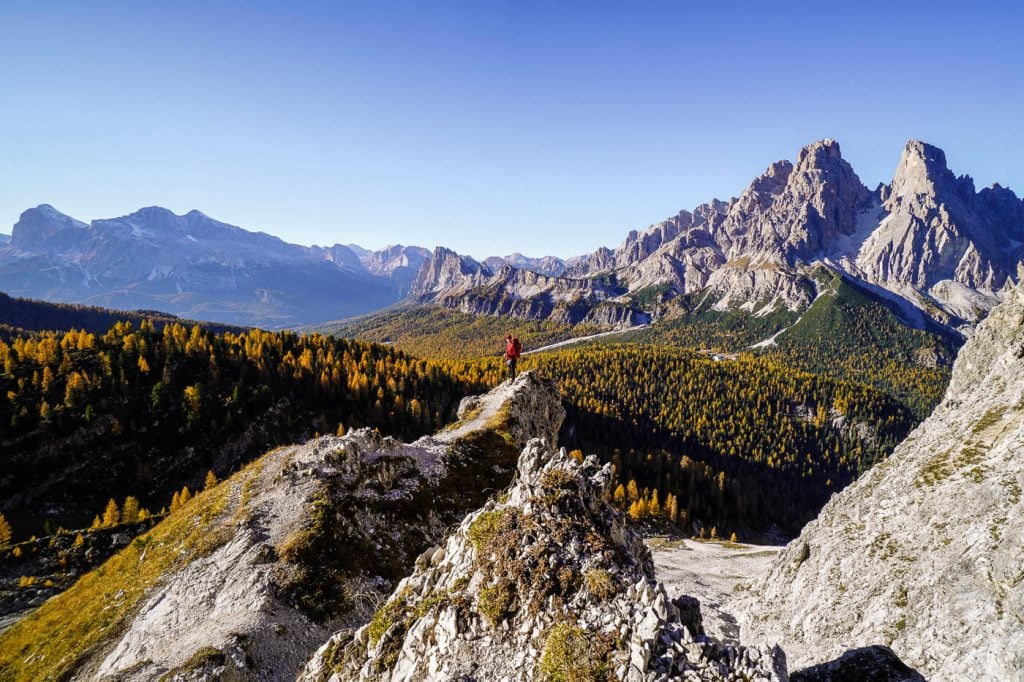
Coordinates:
x,y
546,265
546,581
462,284
446,270
298,544
923,553
877,663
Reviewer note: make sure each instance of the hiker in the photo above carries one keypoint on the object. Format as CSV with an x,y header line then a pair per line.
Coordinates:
x,y
513,349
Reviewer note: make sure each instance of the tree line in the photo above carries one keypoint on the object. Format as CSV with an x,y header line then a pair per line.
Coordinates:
x,y
140,410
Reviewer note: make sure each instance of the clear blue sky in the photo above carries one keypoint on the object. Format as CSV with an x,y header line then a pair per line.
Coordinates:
x,y
542,127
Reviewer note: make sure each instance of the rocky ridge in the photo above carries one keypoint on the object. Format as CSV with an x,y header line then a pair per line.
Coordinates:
x,y
270,585
923,553
544,582
927,239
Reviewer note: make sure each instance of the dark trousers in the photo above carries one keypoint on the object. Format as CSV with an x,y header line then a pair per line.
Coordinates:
x,y
511,362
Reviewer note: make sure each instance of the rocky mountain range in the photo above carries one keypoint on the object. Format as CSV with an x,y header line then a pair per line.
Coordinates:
x,y
194,266
926,241
923,552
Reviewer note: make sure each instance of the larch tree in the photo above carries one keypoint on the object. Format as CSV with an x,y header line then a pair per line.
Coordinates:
x,y
111,515
5,531
130,510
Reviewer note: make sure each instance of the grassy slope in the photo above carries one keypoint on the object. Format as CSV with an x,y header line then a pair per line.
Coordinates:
x,y
849,334
54,640
435,332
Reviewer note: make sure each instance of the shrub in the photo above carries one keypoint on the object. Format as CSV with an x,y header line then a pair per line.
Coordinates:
x,y
571,654
387,615
483,530
600,583
495,601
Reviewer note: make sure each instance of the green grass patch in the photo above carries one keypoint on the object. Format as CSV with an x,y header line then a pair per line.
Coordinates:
x,y
485,528
572,654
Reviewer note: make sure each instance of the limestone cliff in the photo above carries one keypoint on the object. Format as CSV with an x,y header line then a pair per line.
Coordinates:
x,y
924,552
928,238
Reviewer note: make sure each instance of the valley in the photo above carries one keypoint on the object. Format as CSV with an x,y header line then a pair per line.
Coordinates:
x,y
724,374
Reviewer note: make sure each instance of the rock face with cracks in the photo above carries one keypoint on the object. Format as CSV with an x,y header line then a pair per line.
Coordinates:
x,y
923,554
546,581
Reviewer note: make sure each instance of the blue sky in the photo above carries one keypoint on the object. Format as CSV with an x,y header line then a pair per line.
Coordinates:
x,y
490,127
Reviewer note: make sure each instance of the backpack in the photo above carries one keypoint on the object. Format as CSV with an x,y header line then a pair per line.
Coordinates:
x,y
517,346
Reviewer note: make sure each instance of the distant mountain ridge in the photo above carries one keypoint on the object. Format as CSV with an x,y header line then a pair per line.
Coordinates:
x,y
926,241
196,266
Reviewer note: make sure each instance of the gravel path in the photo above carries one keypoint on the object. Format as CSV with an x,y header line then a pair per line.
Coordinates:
x,y
711,572
580,339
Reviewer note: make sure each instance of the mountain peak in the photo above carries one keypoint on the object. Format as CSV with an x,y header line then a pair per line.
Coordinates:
x,y
38,225
819,154
922,169
928,154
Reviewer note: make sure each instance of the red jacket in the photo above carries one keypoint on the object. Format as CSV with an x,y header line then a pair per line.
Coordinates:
x,y
512,349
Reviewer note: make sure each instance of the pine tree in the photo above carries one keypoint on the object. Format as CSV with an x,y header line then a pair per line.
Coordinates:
x,y
111,516
193,401
211,480
714,532
5,531
96,523
673,508
733,538
175,501
184,496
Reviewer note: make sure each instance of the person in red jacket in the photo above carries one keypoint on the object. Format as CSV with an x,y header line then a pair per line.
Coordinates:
x,y
513,349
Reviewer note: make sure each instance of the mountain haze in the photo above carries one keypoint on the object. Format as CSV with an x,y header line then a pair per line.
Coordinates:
x,y
195,266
